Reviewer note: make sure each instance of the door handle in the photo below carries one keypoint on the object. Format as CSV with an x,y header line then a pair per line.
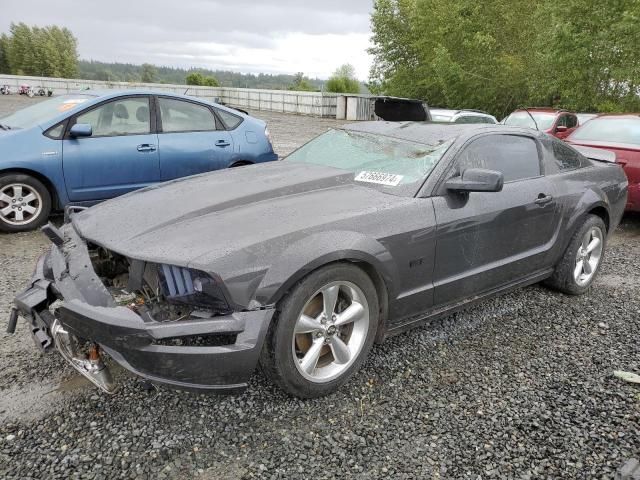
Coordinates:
x,y
222,143
543,199
146,147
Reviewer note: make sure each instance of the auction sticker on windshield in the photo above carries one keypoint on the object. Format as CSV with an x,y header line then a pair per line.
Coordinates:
x,y
380,178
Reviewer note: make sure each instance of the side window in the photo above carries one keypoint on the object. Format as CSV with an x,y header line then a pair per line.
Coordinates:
x,y
515,156
182,116
562,121
55,132
572,121
230,120
124,116
566,157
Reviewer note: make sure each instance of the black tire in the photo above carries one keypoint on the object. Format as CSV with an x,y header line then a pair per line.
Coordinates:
x,y
43,205
563,278
277,356
241,163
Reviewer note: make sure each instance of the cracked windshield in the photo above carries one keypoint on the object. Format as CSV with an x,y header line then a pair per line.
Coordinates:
x,y
396,166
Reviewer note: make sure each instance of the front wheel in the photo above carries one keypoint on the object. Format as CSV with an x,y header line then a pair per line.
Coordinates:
x,y
25,203
322,331
582,259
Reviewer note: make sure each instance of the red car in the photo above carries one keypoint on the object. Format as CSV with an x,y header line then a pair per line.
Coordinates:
x,y
559,123
621,135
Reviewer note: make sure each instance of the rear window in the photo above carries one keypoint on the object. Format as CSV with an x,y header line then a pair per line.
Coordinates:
x,y
566,157
533,119
230,120
473,119
610,130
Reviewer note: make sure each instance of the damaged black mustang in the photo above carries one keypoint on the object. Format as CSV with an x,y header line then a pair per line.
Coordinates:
x,y
300,265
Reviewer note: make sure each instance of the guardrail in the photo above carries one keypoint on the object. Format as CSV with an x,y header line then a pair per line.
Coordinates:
x,y
302,103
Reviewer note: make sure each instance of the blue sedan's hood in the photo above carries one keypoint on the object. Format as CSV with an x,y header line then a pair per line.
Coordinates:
x,y
7,133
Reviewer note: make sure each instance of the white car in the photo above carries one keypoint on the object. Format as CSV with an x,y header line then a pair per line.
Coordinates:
x,y
461,116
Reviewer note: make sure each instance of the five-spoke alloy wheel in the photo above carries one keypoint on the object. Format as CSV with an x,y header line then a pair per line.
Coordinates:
x,y
579,265
588,256
331,331
322,331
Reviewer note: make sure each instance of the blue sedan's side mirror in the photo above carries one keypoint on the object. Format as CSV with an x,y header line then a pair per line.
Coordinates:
x,y
81,130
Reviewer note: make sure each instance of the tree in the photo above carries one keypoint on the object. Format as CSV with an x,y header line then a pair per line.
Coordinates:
x,y
499,54
4,49
343,80
301,84
48,51
196,78
149,73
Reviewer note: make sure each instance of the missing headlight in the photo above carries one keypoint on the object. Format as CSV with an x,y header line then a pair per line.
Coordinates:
x,y
192,287
159,292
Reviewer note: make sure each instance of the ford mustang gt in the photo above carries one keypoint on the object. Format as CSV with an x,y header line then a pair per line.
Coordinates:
x,y
299,266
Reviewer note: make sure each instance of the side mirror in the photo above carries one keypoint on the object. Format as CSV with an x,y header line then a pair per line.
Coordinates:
x,y
476,180
81,130
561,128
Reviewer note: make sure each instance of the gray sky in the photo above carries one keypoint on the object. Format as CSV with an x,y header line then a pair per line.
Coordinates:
x,y
272,36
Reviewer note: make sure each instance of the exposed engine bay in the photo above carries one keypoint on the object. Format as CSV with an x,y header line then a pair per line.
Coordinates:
x,y
156,292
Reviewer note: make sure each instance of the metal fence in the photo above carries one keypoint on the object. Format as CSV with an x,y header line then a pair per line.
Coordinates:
x,y
301,103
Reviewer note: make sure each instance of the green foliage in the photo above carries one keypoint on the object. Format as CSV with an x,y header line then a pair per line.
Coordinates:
x,y
125,72
196,78
301,84
43,51
343,80
499,54
149,73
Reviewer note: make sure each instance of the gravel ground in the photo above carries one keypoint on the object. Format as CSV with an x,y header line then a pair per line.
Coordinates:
x,y
518,387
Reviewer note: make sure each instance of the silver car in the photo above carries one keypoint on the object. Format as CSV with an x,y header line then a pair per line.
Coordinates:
x,y
461,116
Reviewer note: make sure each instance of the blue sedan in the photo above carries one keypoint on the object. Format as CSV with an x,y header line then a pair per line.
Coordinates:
x,y
80,149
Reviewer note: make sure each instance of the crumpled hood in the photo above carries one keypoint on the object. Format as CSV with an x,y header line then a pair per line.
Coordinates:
x,y
204,218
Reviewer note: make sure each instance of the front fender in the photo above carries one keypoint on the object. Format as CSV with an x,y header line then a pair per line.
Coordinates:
x,y
30,152
310,253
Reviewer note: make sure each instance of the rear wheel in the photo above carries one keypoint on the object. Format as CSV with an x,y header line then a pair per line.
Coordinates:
x,y
322,331
582,259
25,203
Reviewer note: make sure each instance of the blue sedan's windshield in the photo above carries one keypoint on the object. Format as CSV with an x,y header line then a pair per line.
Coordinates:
x,y
43,111
398,166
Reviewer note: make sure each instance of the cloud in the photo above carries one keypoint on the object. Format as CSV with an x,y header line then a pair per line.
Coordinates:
x,y
281,36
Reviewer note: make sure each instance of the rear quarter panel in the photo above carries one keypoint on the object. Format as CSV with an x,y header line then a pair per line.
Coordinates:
x,y
597,185
251,143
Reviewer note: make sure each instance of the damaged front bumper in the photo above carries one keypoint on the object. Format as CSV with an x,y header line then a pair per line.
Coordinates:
x,y
66,304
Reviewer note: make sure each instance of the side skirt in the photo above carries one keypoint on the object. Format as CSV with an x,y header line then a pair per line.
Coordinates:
x,y
463,304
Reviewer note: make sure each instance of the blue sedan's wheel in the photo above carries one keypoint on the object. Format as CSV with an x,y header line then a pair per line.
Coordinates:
x,y
322,331
25,203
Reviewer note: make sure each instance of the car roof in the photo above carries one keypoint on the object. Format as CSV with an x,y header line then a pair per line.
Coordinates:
x,y
106,94
543,109
429,133
633,116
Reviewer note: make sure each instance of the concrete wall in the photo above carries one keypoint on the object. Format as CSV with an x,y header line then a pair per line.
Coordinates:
x,y
302,103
